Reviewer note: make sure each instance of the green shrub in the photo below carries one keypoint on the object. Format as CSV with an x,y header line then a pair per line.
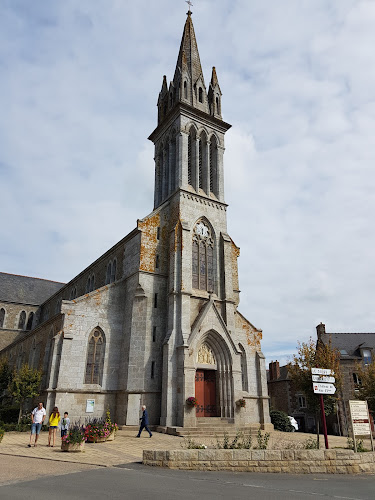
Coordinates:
x,y
240,442
9,414
281,421
262,440
311,444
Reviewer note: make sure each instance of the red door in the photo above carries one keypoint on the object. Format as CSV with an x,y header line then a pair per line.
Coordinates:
x,y
205,393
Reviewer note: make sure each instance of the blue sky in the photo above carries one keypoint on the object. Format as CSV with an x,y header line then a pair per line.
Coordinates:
x,y
78,94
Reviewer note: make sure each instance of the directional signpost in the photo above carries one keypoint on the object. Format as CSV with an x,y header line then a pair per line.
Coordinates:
x,y
360,421
323,380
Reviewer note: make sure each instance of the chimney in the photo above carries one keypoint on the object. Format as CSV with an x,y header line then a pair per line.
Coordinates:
x,y
320,330
274,370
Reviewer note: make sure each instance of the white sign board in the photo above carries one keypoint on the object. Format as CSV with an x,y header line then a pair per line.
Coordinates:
x,y
360,418
90,404
323,378
323,388
322,371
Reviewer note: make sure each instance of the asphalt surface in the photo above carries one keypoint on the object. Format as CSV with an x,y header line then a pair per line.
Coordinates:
x,y
135,481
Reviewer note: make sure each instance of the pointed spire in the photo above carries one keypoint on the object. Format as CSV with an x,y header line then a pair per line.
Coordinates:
x,y
189,52
214,80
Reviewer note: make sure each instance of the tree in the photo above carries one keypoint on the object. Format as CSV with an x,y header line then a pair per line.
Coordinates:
x,y
24,385
309,355
366,389
5,376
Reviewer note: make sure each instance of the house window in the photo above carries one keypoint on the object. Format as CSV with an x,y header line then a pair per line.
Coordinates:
x,y
202,258
30,321
302,402
95,358
366,354
22,321
357,381
2,317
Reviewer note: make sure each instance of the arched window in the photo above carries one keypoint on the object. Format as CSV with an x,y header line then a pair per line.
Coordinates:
x,y
113,274
245,380
95,358
200,164
185,90
2,317
203,258
200,93
22,321
203,181
30,321
213,166
109,273
217,105
190,159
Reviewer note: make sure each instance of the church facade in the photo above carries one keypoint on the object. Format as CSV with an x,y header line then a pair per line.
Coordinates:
x,y
155,319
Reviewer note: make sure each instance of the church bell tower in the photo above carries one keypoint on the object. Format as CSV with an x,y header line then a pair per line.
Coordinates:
x,y
208,349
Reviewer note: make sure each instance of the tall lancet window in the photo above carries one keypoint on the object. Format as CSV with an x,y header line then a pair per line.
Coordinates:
x,y
203,257
95,358
191,157
200,163
213,166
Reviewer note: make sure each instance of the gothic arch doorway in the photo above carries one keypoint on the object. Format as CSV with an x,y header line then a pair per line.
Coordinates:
x,y
213,378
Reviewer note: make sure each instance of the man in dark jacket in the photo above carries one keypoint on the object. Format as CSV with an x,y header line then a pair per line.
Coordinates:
x,y
144,422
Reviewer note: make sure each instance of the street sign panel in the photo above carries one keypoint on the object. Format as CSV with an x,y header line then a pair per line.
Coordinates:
x,y
323,378
360,418
323,388
322,371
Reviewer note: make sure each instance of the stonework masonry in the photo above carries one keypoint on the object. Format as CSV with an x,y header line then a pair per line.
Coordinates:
x,y
280,461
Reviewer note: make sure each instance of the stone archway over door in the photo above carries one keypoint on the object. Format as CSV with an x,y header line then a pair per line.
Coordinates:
x,y
214,351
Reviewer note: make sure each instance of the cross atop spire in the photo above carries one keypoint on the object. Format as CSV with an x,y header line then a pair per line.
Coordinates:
x,y
190,5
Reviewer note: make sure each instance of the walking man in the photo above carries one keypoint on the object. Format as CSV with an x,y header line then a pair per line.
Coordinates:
x,y
37,418
144,422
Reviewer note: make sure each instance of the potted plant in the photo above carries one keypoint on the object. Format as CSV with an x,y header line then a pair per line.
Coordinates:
x,y
97,431
241,403
74,440
192,401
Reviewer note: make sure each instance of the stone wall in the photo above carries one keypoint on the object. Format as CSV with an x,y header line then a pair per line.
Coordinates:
x,y
288,461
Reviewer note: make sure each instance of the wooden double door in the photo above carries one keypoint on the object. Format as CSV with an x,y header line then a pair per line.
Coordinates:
x,y
205,393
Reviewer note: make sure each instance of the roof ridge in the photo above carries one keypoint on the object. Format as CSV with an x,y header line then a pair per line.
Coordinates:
x,y
33,277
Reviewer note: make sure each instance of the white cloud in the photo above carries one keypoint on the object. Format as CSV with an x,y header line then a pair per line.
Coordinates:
x,y
78,96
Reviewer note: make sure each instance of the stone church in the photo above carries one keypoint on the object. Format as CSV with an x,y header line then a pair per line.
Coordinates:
x,y
155,319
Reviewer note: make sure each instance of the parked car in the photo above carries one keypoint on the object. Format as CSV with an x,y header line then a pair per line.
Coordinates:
x,y
293,423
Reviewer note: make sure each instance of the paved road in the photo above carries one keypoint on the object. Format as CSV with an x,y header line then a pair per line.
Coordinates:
x,y
135,481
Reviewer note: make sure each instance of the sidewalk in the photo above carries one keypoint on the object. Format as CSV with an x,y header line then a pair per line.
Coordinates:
x,y
126,448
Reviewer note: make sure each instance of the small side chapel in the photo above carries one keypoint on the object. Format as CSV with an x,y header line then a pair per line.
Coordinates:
x,y
155,320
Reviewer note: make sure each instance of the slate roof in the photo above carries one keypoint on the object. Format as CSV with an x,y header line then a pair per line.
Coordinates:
x,y
350,342
26,290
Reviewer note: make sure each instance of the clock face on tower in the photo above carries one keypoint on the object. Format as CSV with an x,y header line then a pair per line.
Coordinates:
x,y
201,230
